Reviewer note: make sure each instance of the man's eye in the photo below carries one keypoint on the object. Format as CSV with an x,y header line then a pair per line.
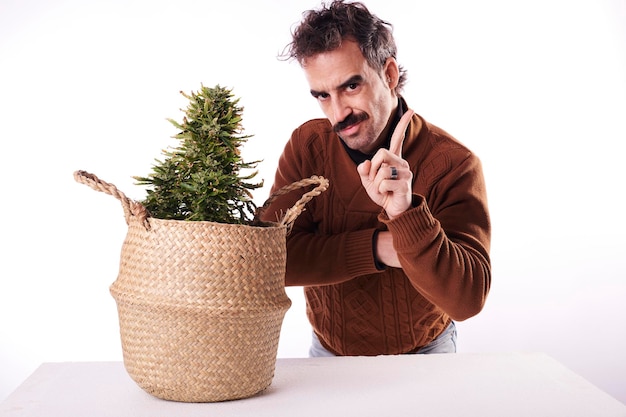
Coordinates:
x,y
352,86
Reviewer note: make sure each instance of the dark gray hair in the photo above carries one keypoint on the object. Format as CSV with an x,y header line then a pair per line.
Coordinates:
x,y
324,30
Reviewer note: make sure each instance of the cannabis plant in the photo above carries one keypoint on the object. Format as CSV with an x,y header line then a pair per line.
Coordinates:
x,y
202,178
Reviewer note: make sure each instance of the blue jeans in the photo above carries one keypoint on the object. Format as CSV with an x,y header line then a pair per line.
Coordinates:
x,y
444,343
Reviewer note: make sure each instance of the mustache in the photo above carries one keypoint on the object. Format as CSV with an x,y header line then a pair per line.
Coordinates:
x,y
350,120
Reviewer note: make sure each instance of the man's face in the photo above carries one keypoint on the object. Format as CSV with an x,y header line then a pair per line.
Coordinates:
x,y
356,99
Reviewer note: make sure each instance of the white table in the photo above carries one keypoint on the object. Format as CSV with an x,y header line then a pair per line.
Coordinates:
x,y
512,384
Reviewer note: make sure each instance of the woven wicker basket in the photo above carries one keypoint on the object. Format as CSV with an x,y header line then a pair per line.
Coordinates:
x,y
201,304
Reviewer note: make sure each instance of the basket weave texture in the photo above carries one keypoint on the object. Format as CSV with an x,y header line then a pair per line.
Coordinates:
x,y
200,304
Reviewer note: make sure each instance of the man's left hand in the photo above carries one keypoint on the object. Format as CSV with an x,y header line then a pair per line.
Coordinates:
x,y
387,177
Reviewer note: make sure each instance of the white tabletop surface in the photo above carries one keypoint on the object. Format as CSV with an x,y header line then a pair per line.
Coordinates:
x,y
511,384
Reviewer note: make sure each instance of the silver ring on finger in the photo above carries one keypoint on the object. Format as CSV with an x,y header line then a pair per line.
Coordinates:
x,y
394,173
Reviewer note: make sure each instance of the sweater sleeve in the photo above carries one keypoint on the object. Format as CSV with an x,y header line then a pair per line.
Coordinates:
x,y
328,259
316,257
443,245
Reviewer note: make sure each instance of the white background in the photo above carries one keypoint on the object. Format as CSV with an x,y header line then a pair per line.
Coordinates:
x,y
536,88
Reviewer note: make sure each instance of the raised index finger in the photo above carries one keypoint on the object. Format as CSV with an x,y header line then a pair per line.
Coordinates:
x,y
397,139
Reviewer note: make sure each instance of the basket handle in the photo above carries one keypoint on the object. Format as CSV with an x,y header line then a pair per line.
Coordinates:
x,y
134,208
292,214
131,207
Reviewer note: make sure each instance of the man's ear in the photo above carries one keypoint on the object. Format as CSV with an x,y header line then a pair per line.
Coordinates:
x,y
391,73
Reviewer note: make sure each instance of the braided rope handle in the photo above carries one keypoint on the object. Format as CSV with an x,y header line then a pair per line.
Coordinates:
x,y
131,207
292,214
135,208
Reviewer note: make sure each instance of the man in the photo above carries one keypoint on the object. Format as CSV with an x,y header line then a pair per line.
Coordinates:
x,y
398,246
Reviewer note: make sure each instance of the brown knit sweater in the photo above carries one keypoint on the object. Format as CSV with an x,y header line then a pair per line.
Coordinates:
x,y
442,242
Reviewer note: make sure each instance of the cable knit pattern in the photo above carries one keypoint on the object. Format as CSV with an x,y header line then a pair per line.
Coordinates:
x,y
442,242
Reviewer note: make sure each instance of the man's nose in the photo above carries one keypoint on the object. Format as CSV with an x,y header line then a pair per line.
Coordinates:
x,y
340,109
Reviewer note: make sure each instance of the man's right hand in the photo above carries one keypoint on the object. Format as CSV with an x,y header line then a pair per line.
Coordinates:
x,y
385,252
